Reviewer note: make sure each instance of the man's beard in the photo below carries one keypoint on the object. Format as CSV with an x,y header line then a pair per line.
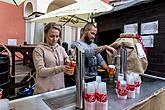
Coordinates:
x,y
88,41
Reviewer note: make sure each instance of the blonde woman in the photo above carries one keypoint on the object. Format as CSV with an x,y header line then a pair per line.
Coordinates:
x,y
49,61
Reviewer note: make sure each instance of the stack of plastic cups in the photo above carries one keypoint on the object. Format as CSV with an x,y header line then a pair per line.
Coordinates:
x,y
137,82
96,83
120,77
122,90
98,78
130,86
102,98
4,104
90,98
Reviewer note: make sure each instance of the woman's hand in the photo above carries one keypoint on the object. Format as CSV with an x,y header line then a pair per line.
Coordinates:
x,y
69,69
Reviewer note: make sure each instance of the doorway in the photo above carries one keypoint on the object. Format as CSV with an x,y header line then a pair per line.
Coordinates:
x,y
107,38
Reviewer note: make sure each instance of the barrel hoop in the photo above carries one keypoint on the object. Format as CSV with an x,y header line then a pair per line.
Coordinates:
x,y
5,83
4,72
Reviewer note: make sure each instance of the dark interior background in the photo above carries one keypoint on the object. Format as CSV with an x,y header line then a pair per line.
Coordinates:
x,y
106,38
112,24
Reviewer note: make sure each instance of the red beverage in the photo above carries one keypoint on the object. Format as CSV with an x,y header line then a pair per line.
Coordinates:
x,y
72,65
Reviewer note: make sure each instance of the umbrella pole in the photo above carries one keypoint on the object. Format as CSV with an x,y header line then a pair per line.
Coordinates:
x,y
15,2
73,16
68,20
80,19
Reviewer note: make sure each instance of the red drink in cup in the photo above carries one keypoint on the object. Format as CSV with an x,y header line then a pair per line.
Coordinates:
x,y
72,65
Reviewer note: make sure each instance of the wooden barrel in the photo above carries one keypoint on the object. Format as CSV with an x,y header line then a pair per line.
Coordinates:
x,y
4,75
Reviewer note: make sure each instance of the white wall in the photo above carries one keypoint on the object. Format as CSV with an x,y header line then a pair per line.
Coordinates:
x,y
42,5
34,31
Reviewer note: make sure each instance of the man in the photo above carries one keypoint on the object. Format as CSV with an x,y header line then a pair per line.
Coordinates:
x,y
93,58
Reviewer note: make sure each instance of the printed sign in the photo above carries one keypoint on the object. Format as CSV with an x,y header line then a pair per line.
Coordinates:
x,y
149,28
131,28
148,41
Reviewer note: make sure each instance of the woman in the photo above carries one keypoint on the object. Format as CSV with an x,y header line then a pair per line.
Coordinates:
x,y
49,58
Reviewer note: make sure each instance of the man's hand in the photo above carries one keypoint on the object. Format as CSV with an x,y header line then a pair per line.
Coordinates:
x,y
110,49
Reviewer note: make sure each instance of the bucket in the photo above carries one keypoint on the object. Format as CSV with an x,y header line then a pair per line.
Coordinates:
x,y
25,91
4,75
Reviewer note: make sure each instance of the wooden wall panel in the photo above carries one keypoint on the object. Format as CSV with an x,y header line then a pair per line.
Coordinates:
x,y
140,14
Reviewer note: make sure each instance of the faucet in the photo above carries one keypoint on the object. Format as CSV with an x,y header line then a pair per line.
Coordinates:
x,y
80,58
121,62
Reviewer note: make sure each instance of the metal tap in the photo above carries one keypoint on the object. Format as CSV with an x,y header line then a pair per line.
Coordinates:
x,y
121,62
80,58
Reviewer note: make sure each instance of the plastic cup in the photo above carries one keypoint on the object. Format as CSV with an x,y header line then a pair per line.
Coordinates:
x,y
1,90
111,70
98,79
72,65
4,104
72,70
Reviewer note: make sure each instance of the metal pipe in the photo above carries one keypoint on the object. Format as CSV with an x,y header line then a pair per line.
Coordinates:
x,y
124,62
80,58
118,57
122,59
121,62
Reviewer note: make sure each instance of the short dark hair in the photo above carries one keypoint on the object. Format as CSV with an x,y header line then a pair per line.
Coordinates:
x,y
88,26
65,45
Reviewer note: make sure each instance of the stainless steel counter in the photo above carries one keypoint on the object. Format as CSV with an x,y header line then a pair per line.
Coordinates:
x,y
148,88
36,102
63,99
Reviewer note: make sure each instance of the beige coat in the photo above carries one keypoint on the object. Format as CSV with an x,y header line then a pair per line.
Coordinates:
x,y
49,72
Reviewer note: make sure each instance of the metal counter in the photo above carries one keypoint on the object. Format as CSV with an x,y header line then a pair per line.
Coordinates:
x,y
148,88
36,102
64,99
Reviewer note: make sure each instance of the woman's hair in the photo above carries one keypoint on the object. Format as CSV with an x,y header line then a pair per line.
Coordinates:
x,y
51,25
